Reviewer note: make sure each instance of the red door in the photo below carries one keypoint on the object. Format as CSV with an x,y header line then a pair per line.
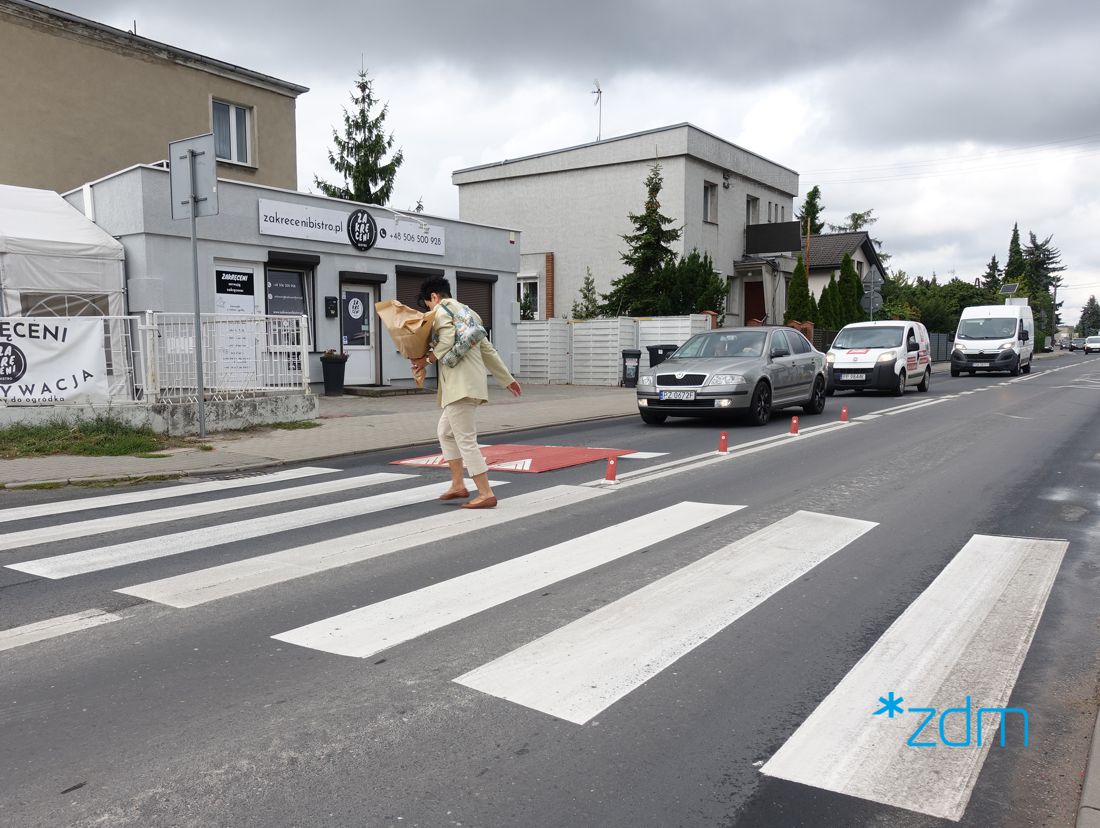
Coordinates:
x,y
754,302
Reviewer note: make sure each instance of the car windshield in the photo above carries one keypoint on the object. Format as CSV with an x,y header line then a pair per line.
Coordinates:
x,y
724,345
995,327
1092,340
884,337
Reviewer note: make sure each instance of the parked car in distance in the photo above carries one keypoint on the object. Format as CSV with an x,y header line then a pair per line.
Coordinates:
x,y
1077,344
751,370
1092,345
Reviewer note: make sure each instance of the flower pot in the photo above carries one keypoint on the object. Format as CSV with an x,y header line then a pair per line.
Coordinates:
x,y
333,372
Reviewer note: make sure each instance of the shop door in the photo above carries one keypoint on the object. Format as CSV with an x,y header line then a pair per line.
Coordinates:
x,y
357,332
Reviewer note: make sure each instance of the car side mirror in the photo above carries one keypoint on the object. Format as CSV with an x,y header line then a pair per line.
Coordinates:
x,y
780,352
913,346
1023,336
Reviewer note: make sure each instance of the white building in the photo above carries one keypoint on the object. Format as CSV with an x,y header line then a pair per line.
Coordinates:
x,y
573,204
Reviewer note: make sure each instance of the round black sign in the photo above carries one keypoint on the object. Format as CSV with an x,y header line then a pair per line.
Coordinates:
x,y
362,231
13,364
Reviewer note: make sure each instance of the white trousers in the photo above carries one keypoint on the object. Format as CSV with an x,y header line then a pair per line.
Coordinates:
x,y
458,435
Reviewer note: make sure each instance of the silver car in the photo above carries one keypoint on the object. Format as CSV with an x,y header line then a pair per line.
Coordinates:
x,y
751,371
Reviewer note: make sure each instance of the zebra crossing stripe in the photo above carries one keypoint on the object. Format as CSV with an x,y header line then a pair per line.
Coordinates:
x,y
368,630
54,627
145,495
98,526
121,554
584,667
202,586
965,637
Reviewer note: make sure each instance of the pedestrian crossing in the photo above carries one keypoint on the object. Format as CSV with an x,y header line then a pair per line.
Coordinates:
x,y
967,634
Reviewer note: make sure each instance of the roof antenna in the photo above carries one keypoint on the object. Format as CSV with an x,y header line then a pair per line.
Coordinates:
x,y
598,102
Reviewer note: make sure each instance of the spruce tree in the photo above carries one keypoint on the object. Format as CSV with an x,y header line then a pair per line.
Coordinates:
x,y
851,292
1016,266
799,298
812,208
587,305
991,279
1089,324
360,152
692,285
649,253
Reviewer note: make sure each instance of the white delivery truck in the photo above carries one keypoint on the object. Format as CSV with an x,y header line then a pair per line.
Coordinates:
x,y
994,338
889,355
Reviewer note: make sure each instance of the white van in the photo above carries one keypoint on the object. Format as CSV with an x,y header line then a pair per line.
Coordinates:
x,y
994,338
889,356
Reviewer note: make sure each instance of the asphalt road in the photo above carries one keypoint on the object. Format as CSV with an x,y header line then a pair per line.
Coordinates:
x,y
645,670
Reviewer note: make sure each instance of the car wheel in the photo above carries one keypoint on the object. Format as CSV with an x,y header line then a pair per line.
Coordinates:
x,y
760,408
924,383
972,373
817,399
1027,368
899,389
955,372
829,390
1015,372
650,418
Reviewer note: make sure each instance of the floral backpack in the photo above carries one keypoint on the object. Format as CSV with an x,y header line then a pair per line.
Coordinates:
x,y
468,333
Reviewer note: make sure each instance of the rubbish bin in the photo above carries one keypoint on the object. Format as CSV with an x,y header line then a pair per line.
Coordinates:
x,y
333,372
659,353
631,359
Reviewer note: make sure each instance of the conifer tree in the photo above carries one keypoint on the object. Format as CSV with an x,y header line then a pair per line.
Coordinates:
x,y
991,279
587,305
799,298
850,291
812,208
1016,266
648,255
360,152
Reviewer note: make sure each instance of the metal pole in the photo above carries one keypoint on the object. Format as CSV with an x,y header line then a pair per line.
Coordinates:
x,y
200,388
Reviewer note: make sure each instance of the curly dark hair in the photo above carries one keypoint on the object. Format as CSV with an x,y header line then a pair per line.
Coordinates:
x,y
433,284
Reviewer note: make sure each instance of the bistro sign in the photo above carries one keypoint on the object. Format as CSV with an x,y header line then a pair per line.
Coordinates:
x,y
51,362
358,228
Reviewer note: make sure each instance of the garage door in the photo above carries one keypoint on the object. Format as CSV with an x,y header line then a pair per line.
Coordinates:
x,y
478,296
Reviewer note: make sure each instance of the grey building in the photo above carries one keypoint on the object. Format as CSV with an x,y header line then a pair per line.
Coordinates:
x,y
573,204
275,251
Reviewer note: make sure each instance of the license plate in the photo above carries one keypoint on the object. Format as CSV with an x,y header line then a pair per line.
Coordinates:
x,y
981,364
853,377
676,395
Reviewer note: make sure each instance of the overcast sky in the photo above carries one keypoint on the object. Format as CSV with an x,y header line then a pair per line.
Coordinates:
x,y
951,119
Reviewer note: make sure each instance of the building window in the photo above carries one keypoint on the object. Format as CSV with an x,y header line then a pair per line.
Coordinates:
x,y
771,212
859,268
782,213
527,294
710,202
752,210
232,124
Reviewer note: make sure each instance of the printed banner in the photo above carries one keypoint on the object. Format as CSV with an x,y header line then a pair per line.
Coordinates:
x,y
48,360
359,228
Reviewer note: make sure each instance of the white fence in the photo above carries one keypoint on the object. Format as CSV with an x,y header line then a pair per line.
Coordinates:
x,y
589,351
242,356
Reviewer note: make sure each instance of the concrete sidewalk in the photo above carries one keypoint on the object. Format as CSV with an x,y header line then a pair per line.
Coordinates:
x,y
348,425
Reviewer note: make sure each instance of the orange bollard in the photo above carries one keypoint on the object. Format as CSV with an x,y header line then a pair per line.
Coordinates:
x,y
723,443
609,477
844,413
794,425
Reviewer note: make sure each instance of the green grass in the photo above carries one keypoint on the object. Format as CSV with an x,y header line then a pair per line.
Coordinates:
x,y
101,437
296,424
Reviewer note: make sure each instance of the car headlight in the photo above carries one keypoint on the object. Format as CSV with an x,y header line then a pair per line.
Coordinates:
x,y
830,358
887,356
959,346
645,379
726,379
1004,345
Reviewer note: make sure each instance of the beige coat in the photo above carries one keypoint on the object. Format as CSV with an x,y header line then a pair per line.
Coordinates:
x,y
467,378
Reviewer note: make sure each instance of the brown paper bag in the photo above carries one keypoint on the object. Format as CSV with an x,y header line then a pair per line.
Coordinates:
x,y
410,330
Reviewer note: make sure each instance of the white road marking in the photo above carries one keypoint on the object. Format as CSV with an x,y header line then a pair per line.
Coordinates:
x,y
368,630
643,455
867,417
204,585
171,514
914,406
584,667
54,627
964,636
146,495
121,554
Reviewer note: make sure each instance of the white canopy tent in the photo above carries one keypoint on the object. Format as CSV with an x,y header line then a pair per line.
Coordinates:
x,y
54,261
